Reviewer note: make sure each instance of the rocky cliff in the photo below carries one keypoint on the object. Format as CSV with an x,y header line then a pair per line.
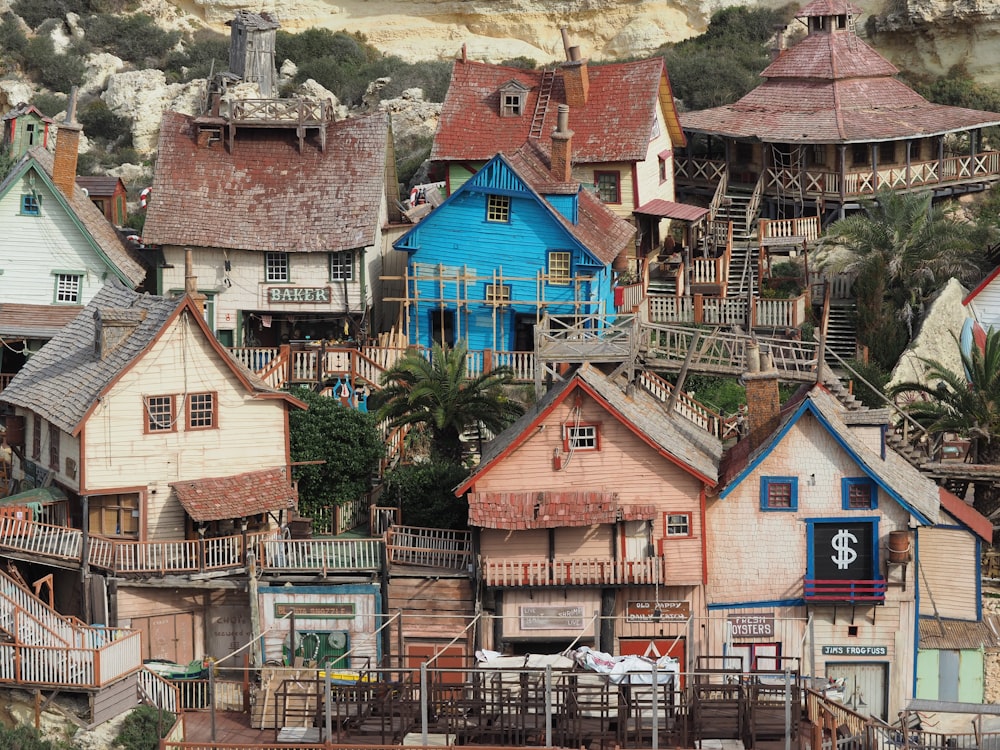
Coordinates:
x,y
927,35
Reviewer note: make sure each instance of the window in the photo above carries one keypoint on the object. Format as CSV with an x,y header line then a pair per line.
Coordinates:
x,y
817,154
744,152
887,152
858,494
342,266
677,524
499,293
859,154
511,104
159,413
662,164
607,186
915,150
582,437
114,515
36,437
53,447
201,411
30,205
559,268
68,288
498,208
276,266
779,493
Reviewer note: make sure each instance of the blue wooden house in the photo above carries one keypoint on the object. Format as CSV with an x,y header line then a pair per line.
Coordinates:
x,y
518,239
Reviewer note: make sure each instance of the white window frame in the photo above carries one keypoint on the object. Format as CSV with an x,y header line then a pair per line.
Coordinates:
x,y
584,437
342,266
68,288
276,267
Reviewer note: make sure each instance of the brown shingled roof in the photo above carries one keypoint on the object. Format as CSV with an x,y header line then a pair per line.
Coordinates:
x,y
833,88
266,195
614,125
237,496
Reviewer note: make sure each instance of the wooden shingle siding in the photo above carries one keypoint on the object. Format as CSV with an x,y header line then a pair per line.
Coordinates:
x,y
948,564
250,432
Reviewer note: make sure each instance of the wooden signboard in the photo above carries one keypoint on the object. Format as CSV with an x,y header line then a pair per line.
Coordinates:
x,y
650,611
551,618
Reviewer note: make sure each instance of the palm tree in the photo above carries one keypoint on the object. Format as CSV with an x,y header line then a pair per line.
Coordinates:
x,y
902,248
966,404
436,395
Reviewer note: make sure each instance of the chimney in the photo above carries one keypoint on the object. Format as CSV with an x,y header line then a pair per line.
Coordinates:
x,y
67,150
114,325
562,147
190,280
763,403
779,42
576,80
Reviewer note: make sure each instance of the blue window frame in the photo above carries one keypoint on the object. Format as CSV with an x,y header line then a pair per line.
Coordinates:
x,y
779,493
858,493
30,205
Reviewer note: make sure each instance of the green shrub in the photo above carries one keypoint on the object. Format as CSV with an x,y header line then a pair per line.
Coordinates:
x,y
143,728
26,738
314,44
411,153
433,77
101,123
50,68
50,104
12,38
34,12
874,374
424,493
525,63
131,37
206,52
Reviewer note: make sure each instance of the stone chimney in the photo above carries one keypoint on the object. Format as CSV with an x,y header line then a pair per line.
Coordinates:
x,y
67,150
112,326
576,79
562,147
763,403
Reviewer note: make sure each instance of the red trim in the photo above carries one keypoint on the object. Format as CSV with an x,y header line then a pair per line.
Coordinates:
x,y
215,412
968,516
618,183
532,429
704,537
145,414
982,285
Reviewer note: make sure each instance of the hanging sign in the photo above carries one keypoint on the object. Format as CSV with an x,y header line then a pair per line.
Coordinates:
x,y
650,611
751,626
279,294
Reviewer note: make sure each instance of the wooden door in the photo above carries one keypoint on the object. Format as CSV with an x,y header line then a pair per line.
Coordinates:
x,y
169,637
866,685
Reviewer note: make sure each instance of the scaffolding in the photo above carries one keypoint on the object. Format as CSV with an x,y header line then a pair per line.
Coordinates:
x,y
444,288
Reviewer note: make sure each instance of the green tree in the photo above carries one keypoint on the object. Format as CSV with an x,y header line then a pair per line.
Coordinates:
x,y
25,738
968,406
903,249
348,443
424,494
436,396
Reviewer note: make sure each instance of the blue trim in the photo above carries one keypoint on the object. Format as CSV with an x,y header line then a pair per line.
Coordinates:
x,y
30,205
916,603
765,494
749,605
845,492
807,405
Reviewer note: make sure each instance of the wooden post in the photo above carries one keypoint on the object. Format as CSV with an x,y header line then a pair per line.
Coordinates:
x,y
201,548
84,559
843,175
699,304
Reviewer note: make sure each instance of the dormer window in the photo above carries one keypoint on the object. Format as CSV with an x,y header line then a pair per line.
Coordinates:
x,y
512,98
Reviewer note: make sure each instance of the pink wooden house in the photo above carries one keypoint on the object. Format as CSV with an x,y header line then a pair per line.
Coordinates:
x,y
591,518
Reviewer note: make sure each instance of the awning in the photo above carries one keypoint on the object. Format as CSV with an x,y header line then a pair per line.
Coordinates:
x,y
237,496
35,321
671,210
39,495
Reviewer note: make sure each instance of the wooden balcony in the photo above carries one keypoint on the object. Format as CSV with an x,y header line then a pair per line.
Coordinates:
x,y
833,185
72,667
844,592
760,312
429,548
573,571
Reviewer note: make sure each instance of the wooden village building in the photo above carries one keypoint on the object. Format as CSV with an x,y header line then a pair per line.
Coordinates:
x,y
829,127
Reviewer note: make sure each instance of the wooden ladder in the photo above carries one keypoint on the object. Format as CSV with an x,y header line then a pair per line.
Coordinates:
x,y
544,94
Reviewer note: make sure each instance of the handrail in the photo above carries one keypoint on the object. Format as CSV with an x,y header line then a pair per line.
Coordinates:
x,y
720,194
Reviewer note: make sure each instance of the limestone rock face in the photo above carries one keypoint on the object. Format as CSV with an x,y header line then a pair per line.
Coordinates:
x,y
100,67
144,95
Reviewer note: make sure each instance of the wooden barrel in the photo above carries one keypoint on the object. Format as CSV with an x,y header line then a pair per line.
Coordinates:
x,y
899,546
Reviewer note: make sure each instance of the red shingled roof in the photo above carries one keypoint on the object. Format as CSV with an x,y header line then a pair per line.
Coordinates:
x,y
551,510
598,228
833,88
828,8
238,496
614,125
266,195
964,513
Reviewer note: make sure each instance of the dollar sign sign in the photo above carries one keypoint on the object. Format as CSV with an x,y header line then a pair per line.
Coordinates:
x,y
842,543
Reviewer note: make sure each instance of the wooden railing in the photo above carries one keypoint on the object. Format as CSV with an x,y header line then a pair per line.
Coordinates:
x,y
5,378
686,406
173,556
158,692
802,228
629,297
833,591
572,572
429,548
321,555
40,539
71,667
841,284
856,183
726,311
281,110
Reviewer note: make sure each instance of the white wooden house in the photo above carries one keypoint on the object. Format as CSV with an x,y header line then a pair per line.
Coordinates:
x,y
821,526
984,301
172,457
56,250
